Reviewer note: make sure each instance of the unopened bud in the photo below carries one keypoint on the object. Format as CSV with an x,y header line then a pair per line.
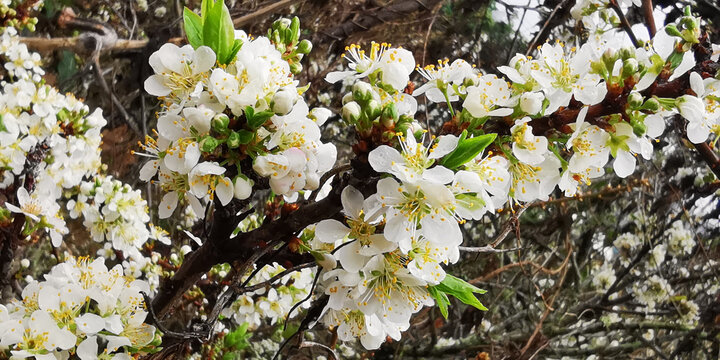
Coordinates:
x,y
635,99
220,123
389,115
296,68
362,91
373,109
672,30
630,67
351,112
243,188
651,104
208,144
347,98
304,47
233,140
25,263
639,128
283,101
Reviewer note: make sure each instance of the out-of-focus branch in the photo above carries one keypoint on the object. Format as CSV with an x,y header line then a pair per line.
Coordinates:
x,y
647,8
624,22
382,15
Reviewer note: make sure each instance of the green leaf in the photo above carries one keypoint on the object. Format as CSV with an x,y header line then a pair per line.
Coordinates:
x,y
441,300
466,150
193,28
218,30
461,290
246,136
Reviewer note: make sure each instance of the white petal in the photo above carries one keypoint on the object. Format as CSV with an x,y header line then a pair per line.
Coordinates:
x,y
88,349
383,158
168,204
445,145
331,230
90,323
624,164
352,200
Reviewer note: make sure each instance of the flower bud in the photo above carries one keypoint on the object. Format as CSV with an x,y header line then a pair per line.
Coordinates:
x,y
25,263
295,68
304,47
373,109
233,140
531,103
283,101
630,67
208,144
351,112
220,123
651,104
242,188
635,99
672,30
347,98
362,91
389,115
639,128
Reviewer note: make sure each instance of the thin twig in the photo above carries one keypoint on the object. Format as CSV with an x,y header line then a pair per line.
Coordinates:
x,y
624,22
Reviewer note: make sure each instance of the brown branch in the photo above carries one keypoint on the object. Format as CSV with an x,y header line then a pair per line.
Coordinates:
x,y
551,22
372,18
262,12
624,22
647,8
220,247
549,308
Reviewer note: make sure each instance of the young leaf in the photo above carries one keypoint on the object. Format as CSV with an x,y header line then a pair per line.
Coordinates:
x,y
441,299
227,36
259,119
246,136
193,28
212,15
466,150
462,290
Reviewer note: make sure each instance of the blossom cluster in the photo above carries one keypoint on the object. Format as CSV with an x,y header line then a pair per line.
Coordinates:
x,y
52,134
114,212
274,304
222,120
81,308
392,245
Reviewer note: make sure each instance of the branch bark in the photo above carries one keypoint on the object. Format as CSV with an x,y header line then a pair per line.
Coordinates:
x,y
371,18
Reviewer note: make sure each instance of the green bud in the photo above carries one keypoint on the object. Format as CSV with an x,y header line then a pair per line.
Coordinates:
x,y
208,144
639,128
635,100
304,47
351,112
609,57
626,53
672,30
276,37
373,109
630,67
220,123
294,29
651,104
296,68
362,91
347,98
389,115
233,140
468,81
